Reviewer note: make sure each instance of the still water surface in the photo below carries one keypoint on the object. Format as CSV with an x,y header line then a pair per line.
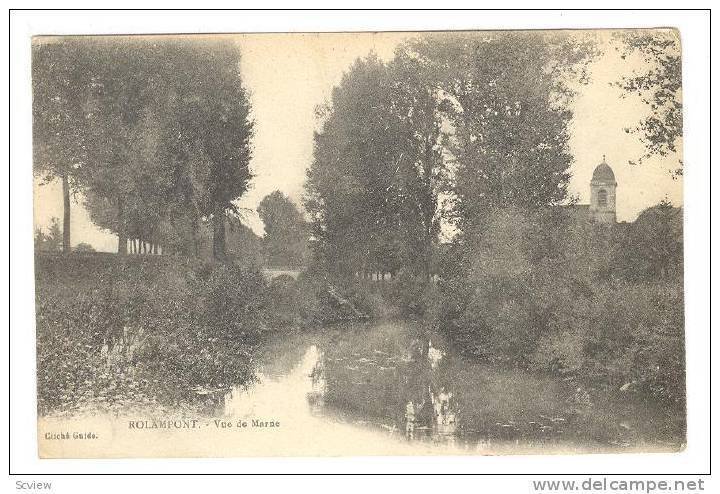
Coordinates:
x,y
379,385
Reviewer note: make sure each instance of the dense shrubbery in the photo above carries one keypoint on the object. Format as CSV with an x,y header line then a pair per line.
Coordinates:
x,y
402,296
299,302
625,334
115,329
547,292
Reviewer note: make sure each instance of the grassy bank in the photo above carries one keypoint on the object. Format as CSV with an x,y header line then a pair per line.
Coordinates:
x,y
116,331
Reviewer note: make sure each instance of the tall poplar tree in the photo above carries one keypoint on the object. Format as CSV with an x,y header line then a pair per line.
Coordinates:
x,y
509,100
60,95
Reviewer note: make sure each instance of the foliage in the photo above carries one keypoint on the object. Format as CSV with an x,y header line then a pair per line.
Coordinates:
x,y
551,292
508,102
479,122
59,104
624,333
373,183
298,303
84,247
144,330
500,303
286,233
652,248
59,118
216,128
242,245
659,85
164,133
52,241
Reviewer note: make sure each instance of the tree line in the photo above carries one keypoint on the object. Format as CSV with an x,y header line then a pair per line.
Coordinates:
x,y
450,128
456,127
155,135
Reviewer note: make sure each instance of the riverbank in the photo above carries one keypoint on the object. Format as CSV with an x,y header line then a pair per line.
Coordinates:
x,y
371,373
348,386
155,330
168,336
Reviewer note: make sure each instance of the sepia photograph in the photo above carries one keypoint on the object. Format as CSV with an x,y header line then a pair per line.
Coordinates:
x,y
359,243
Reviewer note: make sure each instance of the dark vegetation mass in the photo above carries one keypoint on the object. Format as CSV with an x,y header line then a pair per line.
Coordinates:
x,y
153,330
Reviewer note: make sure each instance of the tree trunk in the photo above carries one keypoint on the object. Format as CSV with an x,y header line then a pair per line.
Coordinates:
x,y
122,244
122,236
194,228
66,214
219,235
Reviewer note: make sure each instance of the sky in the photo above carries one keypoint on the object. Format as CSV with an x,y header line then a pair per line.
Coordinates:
x,y
289,75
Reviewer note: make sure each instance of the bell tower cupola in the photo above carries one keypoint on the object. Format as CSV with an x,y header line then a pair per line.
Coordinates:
x,y
602,194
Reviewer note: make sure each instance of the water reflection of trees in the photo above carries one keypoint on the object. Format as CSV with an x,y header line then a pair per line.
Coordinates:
x,y
316,398
403,386
410,383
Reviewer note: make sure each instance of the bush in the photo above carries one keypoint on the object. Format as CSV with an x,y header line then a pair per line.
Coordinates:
x,y
84,247
297,303
404,295
626,334
552,293
117,330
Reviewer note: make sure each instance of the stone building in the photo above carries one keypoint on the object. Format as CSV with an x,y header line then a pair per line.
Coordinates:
x,y
602,198
602,194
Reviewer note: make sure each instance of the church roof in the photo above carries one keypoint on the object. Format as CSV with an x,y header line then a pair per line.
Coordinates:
x,y
575,207
603,173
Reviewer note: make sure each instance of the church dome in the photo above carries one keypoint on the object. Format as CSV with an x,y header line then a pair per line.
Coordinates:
x,y
603,173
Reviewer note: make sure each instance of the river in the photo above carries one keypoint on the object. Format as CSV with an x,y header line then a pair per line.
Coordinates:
x,y
373,388
395,387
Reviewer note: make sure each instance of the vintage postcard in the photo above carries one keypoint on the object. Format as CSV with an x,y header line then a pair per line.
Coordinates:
x,y
340,244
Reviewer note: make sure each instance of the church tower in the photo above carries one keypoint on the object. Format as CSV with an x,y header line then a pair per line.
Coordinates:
x,y
602,194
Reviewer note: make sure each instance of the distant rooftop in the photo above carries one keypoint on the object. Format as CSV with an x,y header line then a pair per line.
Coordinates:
x,y
603,173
